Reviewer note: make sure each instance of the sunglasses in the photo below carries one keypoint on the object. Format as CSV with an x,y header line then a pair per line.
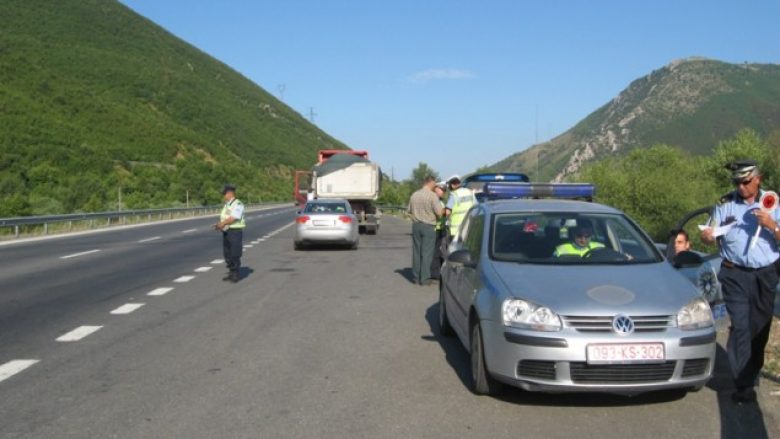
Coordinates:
x,y
739,182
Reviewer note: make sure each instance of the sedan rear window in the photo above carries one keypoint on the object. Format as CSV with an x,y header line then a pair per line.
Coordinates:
x,y
325,208
569,238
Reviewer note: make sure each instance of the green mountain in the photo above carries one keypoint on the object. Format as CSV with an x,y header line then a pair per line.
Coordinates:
x,y
691,104
95,99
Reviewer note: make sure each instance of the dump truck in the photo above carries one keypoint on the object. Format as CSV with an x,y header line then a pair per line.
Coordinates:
x,y
344,174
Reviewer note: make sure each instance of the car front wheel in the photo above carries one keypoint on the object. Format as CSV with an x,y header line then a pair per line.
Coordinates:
x,y
482,382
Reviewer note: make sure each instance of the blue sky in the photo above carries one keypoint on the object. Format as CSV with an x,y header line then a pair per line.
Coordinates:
x,y
457,84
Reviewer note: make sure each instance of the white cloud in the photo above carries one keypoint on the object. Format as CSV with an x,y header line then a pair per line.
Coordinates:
x,y
439,74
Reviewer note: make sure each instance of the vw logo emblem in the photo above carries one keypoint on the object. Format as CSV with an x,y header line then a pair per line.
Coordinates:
x,y
622,325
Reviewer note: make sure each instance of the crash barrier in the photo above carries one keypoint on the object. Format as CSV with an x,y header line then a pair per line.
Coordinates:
x,y
15,227
391,208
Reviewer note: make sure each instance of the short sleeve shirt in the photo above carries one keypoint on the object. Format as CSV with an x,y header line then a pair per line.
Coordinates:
x,y
423,206
236,209
735,245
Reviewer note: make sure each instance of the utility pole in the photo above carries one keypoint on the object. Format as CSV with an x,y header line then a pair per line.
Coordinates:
x,y
119,199
188,198
281,88
312,114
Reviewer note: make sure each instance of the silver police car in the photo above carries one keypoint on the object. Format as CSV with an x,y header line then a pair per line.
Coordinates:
x,y
562,295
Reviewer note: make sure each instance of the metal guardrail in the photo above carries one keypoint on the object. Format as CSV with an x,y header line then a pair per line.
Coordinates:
x,y
121,216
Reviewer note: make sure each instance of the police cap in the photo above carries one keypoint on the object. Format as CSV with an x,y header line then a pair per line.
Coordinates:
x,y
742,169
454,179
228,188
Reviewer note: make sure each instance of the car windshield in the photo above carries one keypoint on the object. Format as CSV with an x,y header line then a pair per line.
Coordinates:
x,y
325,208
569,238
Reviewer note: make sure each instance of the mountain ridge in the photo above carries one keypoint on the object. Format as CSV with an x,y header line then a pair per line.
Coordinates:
x,y
691,103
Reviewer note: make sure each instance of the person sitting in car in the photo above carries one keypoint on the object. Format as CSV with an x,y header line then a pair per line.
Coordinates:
x,y
581,244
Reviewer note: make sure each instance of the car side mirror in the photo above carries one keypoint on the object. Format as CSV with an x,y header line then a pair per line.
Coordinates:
x,y
462,257
687,259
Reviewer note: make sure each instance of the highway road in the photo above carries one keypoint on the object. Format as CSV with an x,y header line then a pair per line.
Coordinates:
x,y
132,333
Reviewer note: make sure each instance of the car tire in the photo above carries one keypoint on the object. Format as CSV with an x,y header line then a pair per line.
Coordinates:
x,y
482,382
297,246
354,246
445,328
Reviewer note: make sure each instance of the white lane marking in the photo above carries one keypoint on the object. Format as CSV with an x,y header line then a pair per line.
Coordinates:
x,y
203,269
13,367
153,238
75,255
127,308
78,333
217,261
189,230
183,279
159,291
249,246
261,240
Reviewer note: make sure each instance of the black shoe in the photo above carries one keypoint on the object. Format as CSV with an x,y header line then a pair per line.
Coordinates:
x,y
233,277
427,282
744,395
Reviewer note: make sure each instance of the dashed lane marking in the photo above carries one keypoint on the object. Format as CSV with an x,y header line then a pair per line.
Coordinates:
x,y
75,255
183,279
153,238
217,261
189,230
78,333
13,367
248,246
127,308
203,269
159,291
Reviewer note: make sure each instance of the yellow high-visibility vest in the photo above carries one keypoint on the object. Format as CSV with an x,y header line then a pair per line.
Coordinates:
x,y
226,213
464,199
571,249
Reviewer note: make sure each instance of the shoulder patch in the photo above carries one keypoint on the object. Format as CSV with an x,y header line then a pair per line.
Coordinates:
x,y
726,198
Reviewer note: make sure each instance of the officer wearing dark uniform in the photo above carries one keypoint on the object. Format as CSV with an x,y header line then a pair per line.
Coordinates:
x,y
747,273
231,223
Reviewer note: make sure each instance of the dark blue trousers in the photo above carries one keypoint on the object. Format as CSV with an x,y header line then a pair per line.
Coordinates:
x,y
749,297
232,248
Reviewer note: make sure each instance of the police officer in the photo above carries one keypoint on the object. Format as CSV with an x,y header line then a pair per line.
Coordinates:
x,y
438,256
459,202
231,223
747,274
581,244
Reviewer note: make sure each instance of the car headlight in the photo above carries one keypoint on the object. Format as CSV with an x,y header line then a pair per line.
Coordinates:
x,y
696,314
527,315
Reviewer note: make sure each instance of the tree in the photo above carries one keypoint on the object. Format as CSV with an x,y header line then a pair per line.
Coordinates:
x,y
420,172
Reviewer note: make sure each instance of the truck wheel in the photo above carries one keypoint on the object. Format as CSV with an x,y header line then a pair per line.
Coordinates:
x,y
482,382
372,230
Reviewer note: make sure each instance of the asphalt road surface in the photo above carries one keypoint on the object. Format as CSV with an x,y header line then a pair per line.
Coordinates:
x,y
326,343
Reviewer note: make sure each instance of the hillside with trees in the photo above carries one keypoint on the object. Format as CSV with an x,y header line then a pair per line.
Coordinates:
x,y
96,100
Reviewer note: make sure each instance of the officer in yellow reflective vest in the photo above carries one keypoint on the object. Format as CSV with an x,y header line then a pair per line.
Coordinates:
x,y
581,243
231,223
459,202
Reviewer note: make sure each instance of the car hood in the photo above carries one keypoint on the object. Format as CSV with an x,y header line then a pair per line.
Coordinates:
x,y
633,289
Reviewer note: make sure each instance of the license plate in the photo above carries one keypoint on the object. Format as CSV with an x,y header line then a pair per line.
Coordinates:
x,y
625,353
323,223
719,311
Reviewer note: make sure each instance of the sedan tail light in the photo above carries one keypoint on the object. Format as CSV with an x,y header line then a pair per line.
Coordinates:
x,y
302,219
345,219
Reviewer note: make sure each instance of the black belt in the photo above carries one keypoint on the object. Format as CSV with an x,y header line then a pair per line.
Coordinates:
x,y
728,264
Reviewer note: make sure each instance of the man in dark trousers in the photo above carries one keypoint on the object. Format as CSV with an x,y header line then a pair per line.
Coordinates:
x,y
231,223
424,208
747,274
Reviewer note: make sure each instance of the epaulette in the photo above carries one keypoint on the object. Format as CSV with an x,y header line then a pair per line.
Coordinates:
x,y
726,198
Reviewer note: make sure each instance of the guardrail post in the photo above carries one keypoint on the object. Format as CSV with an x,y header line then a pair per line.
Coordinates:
x,y
108,224
70,226
16,231
91,224
45,228
150,217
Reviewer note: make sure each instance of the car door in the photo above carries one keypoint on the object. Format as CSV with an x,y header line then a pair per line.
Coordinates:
x,y
468,280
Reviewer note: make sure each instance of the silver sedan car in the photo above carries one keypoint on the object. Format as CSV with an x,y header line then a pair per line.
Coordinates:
x,y
562,295
326,221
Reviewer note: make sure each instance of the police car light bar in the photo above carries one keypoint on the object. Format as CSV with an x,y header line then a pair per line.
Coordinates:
x,y
506,190
506,177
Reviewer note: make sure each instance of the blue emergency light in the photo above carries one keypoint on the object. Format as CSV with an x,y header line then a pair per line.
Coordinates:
x,y
488,177
505,190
